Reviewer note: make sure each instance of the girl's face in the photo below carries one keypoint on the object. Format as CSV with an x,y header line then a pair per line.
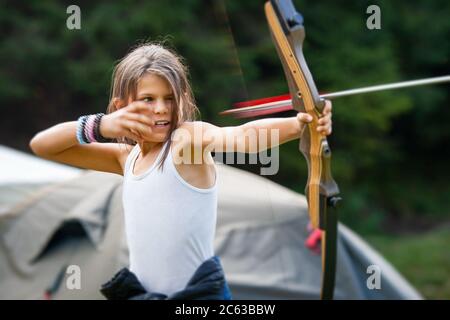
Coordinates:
x,y
157,93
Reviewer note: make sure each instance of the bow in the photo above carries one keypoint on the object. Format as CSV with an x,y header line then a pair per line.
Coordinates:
x,y
288,34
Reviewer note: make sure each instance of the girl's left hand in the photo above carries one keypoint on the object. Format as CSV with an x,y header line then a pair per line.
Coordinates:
x,y
324,123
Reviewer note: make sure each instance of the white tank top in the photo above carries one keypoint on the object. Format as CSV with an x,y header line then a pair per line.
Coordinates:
x,y
169,224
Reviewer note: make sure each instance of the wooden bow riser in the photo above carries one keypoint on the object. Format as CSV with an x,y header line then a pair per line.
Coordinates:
x,y
313,145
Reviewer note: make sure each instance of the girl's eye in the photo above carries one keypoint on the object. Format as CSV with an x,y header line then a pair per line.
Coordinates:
x,y
169,98
148,99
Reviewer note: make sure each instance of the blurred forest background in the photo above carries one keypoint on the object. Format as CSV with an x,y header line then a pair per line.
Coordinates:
x,y
390,149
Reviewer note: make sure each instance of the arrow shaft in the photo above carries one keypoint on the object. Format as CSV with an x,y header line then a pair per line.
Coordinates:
x,y
382,87
389,86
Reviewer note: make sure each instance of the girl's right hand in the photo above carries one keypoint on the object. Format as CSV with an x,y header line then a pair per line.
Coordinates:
x,y
129,121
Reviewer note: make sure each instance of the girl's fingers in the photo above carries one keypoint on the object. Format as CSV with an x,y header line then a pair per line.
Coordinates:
x,y
132,135
141,129
138,106
304,117
325,119
325,130
328,107
325,123
139,117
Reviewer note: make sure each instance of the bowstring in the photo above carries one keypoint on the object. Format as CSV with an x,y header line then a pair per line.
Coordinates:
x,y
236,63
238,67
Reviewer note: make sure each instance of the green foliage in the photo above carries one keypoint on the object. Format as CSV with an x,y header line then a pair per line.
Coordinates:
x,y
423,260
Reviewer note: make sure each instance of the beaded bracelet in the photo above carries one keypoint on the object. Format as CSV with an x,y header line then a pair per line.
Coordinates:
x,y
97,135
80,129
88,129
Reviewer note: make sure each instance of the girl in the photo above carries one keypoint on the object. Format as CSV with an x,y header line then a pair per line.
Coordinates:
x,y
170,184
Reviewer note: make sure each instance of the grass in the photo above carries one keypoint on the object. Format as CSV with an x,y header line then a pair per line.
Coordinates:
x,y
423,259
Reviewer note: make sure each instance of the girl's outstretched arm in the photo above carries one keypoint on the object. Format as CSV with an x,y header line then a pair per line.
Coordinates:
x,y
251,137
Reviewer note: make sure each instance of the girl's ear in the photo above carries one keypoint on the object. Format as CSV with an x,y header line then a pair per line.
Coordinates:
x,y
119,103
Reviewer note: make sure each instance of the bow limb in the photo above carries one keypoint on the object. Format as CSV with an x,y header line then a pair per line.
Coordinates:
x,y
288,33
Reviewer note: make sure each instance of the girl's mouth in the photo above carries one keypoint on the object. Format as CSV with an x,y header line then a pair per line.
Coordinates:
x,y
162,123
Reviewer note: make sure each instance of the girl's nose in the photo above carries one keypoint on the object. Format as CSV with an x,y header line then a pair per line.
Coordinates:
x,y
161,106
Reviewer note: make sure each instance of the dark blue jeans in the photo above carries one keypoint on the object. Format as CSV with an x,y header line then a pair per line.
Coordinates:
x,y
207,283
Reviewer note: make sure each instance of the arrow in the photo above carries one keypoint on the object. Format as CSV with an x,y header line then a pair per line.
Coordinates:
x,y
282,104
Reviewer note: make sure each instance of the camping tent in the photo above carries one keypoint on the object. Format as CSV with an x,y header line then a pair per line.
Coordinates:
x,y
20,167
261,230
21,174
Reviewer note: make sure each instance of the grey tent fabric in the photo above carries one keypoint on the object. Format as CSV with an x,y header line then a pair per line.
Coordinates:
x,y
33,252
18,167
21,174
25,237
363,256
261,230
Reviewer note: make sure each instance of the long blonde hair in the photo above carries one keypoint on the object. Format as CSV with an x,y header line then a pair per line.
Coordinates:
x,y
154,58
